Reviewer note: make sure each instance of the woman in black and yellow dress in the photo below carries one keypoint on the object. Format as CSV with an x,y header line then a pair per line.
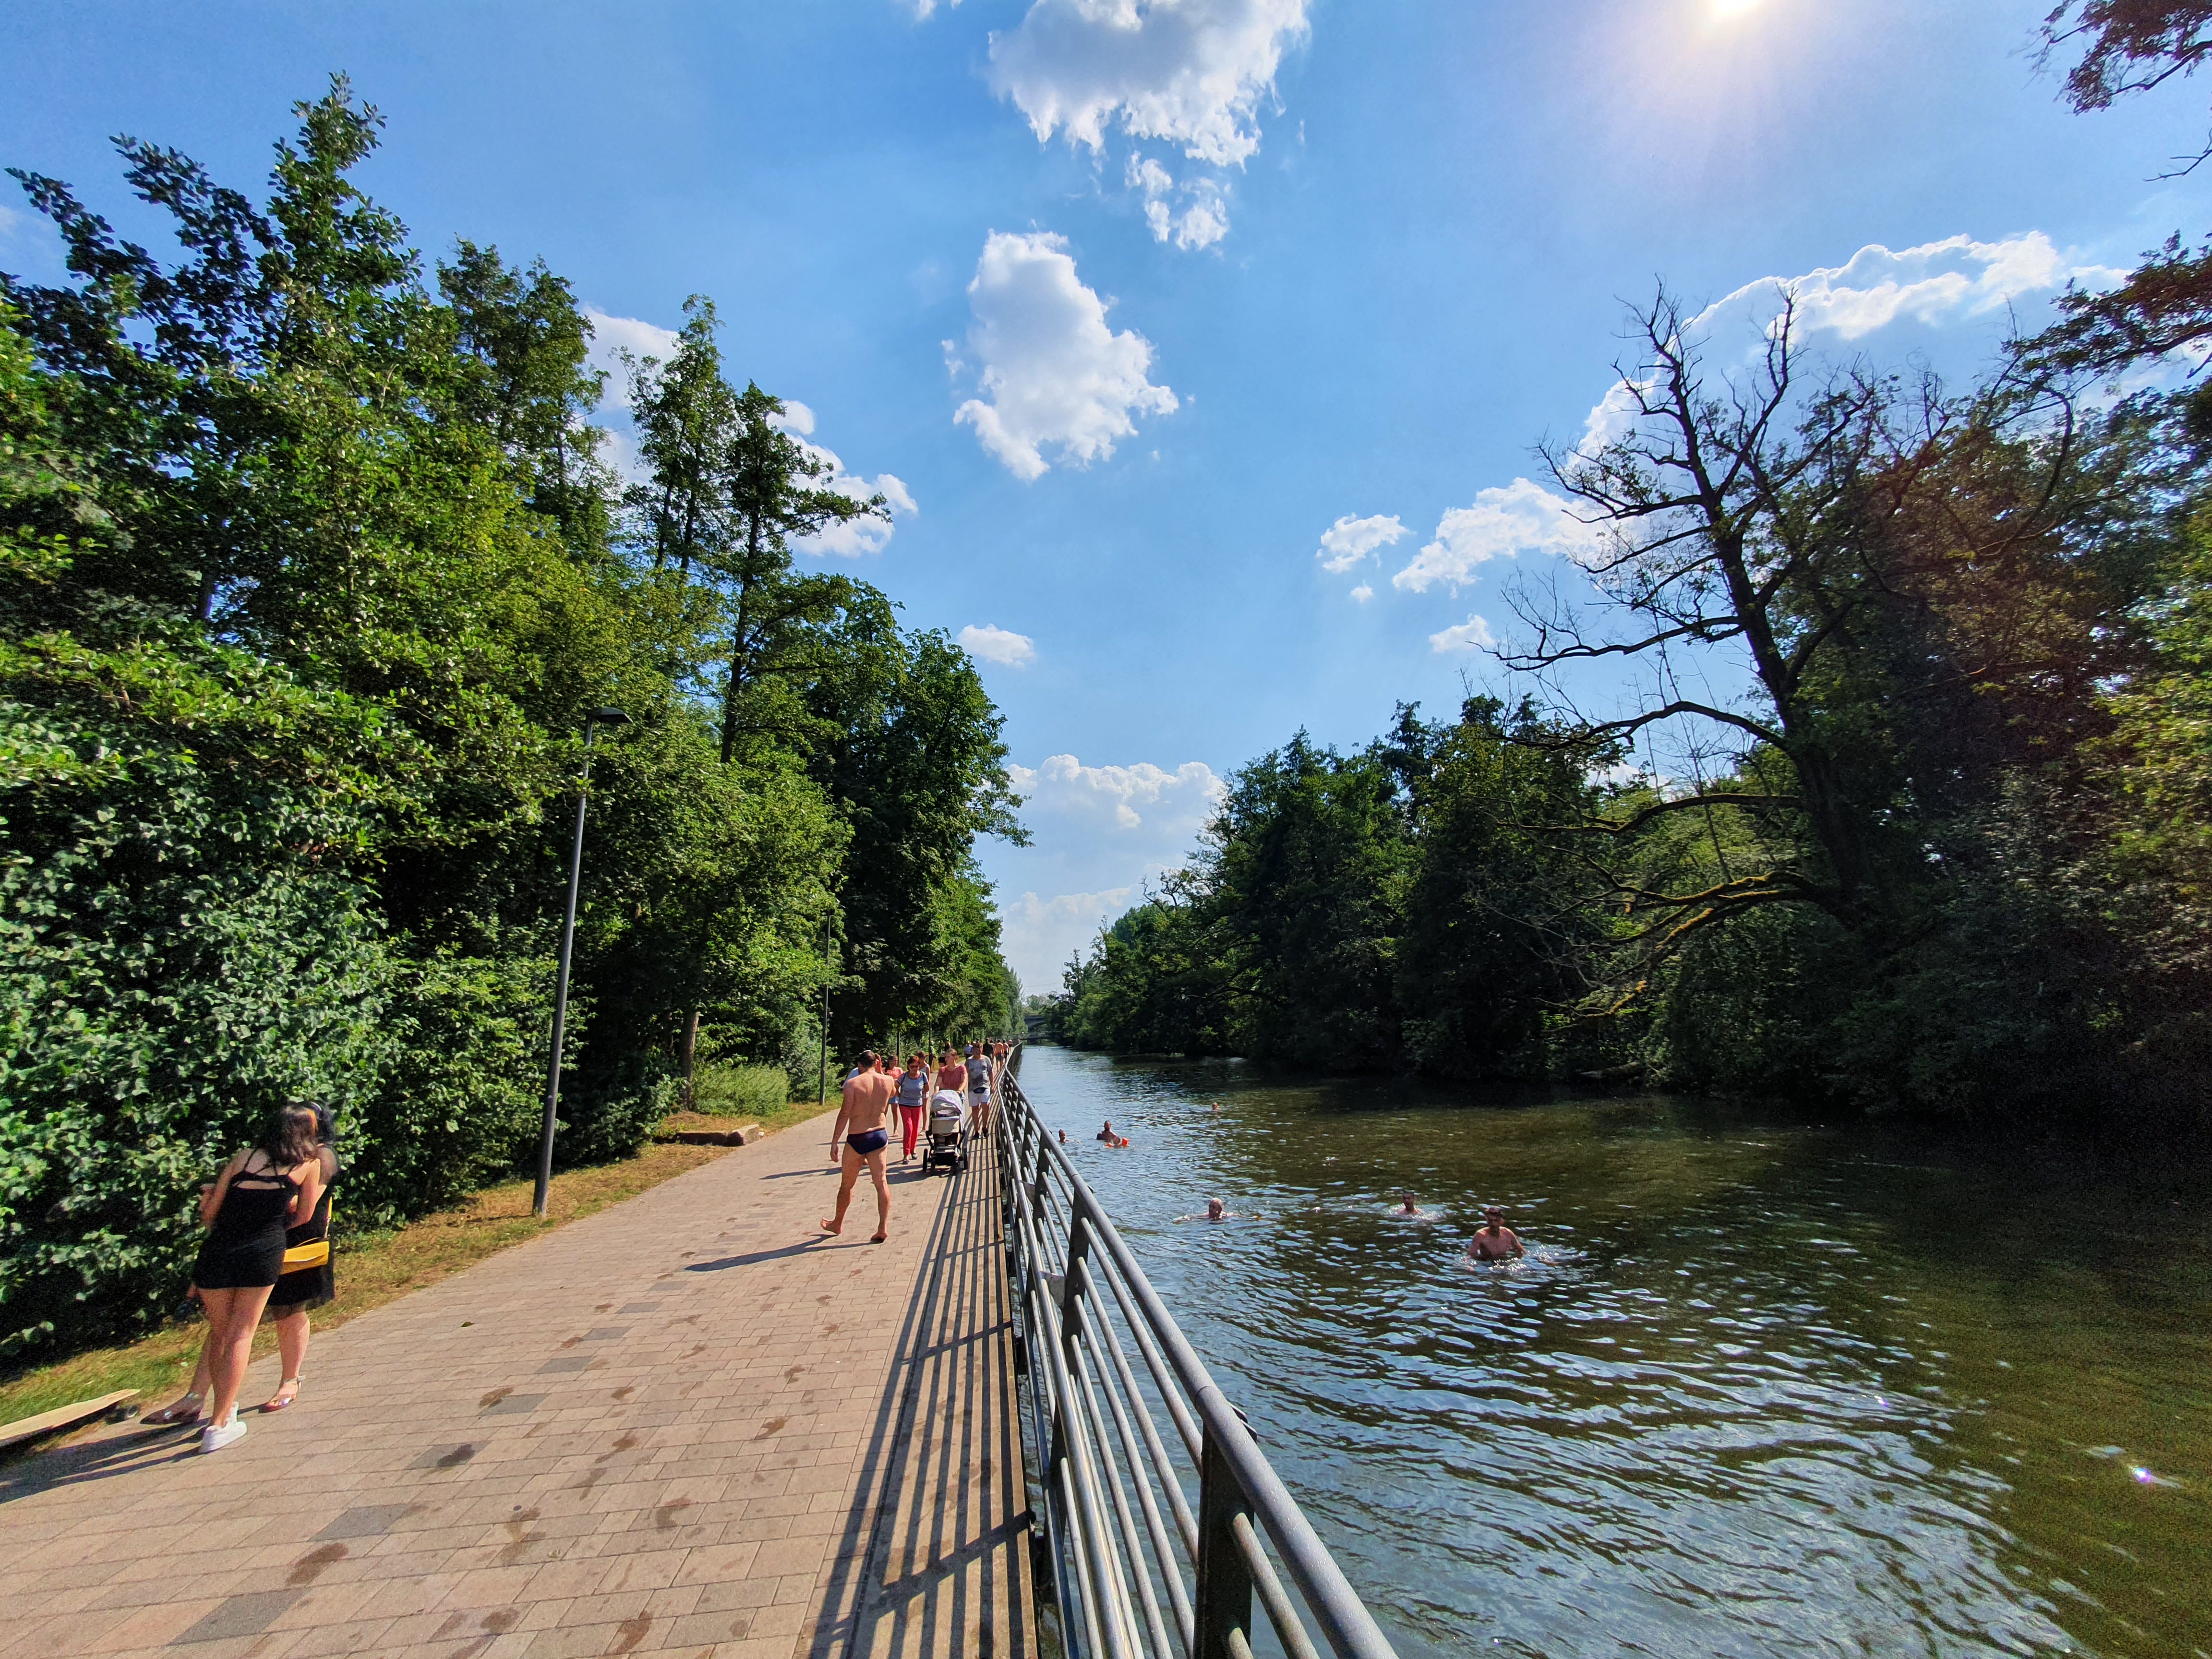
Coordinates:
x,y
296,1290
303,1288
260,1193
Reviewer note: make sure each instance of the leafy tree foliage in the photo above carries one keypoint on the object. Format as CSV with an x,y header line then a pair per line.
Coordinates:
x,y
309,563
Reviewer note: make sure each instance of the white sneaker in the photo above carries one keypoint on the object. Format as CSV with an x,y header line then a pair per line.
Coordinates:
x,y
216,1435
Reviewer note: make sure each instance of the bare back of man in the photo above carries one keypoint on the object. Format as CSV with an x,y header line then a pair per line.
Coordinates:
x,y
858,1139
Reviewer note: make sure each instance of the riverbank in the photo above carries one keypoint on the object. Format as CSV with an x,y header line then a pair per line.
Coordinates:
x,y
378,1267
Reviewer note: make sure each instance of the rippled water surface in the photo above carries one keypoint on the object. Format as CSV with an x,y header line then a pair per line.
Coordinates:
x,y
1760,1388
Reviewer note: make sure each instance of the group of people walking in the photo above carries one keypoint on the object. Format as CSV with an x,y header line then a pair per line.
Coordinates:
x,y
860,1137
267,1251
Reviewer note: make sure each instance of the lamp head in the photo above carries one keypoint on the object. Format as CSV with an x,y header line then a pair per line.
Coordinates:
x,y
607,717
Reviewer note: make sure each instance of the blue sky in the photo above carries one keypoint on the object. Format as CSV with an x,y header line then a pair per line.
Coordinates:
x,y
1136,302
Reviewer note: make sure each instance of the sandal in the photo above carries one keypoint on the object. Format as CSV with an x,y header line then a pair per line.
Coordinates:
x,y
185,1408
287,1392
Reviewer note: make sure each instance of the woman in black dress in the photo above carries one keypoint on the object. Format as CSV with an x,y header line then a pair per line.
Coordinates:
x,y
303,1288
260,1192
297,1291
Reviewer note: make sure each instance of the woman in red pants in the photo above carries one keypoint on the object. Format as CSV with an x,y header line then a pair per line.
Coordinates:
x,y
913,1092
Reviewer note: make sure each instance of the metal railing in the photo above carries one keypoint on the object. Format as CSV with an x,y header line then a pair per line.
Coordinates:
x,y
1137,1573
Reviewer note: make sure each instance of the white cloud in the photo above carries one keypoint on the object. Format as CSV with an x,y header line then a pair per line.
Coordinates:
x,y
1473,635
634,335
1053,372
1931,284
1038,935
1524,516
1202,221
855,537
1362,592
1349,540
923,9
1183,799
1192,74
996,644
1188,72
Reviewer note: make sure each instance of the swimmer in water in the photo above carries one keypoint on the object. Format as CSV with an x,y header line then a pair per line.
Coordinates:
x,y
1106,1134
1063,1137
1216,1210
1405,1204
1496,1241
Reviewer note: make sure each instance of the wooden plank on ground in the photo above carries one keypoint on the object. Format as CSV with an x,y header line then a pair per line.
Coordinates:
x,y
62,1417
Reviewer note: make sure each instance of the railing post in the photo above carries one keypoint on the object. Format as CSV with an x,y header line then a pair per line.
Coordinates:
x,y
1224,1603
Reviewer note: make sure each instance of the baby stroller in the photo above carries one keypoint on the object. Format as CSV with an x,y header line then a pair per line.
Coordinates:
x,y
948,1129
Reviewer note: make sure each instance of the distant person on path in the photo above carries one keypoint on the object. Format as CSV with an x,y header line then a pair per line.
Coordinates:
x,y
860,1126
259,1192
913,1092
979,1088
953,1073
1496,1241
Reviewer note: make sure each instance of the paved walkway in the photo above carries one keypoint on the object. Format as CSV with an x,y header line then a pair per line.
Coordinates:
x,y
687,1424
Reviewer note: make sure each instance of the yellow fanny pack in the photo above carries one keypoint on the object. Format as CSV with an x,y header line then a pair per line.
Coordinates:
x,y
308,1255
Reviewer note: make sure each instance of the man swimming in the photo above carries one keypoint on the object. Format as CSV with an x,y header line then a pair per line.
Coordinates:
x,y
861,1124
1106,1134
1496,1241
1405,1204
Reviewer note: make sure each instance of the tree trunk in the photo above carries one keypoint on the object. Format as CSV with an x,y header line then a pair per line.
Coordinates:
x,y
690,1048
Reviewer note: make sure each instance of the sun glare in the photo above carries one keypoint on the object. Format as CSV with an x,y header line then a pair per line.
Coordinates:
x,y
1725,10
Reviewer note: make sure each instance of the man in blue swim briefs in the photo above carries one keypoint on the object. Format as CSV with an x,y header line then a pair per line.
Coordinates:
x,y
861,1127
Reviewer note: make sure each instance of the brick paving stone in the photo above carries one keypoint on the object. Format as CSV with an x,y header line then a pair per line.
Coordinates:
x,y
690,1424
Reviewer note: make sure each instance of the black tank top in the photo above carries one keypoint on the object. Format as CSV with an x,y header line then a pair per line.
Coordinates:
x,y
254,1204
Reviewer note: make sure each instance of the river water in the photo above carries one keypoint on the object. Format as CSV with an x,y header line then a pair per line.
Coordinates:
x,y
1760,1388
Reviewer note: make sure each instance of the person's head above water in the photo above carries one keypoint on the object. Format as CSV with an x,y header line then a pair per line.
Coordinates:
x,y
1215,1209
1405,1204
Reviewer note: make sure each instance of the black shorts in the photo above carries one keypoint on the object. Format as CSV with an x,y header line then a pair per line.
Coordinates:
x,y
869,1141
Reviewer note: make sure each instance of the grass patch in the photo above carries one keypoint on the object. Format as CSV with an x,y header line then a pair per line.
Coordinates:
x,y
374,1268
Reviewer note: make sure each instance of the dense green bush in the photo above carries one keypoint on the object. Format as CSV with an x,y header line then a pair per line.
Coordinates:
x,y
740,1090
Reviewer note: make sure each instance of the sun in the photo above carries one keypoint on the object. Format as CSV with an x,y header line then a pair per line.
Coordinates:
x,y
1725,10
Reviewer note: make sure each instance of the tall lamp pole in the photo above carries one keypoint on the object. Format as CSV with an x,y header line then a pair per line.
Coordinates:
x,y
597,717
821,1088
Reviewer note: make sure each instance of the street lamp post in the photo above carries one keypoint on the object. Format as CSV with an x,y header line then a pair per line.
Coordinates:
x,y
595,718
821,1088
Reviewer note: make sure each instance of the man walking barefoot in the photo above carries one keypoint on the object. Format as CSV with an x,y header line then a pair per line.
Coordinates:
x,y
860,1126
